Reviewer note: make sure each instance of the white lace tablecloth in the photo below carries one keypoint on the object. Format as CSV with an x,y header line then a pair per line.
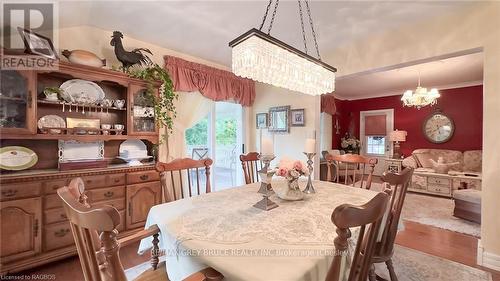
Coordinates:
x,y
223,230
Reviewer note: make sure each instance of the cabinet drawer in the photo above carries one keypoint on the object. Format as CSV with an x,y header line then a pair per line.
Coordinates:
x,y
51,186
54,215
95,181
57,235
19,190
101,194
145,176
115,179
52,201
439,181
119,204
438,189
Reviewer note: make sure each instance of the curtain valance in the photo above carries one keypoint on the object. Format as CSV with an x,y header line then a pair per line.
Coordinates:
x,y
213,83
328,104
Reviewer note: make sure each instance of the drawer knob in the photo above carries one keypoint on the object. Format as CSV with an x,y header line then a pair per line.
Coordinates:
x,y
9,192
144,177
61,232
63,216
117,180
109,194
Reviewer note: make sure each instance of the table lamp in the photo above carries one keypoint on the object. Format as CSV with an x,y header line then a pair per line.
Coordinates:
x,y
396,137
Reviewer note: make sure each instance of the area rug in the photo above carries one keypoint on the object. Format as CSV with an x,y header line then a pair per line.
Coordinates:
x,y
412,265
434,211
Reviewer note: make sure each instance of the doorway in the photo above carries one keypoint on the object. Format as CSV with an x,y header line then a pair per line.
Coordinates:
x,y
219,135
375,126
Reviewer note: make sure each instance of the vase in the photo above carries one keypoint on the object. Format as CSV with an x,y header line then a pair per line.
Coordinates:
x,y
292,190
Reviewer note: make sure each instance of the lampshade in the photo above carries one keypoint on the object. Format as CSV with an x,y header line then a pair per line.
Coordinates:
x,y
397,135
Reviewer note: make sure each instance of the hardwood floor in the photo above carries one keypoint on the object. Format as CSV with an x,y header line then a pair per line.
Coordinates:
x,y
435,241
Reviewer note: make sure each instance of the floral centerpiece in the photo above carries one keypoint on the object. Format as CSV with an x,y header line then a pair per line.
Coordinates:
x,y
291,170
350,144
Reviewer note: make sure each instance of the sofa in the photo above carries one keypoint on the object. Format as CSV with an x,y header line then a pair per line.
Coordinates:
x,y
461,180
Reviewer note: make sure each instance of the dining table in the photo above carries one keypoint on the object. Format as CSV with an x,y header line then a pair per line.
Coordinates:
x,y
223,230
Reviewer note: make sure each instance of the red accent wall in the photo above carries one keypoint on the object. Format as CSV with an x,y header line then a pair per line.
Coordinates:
x,y
463,105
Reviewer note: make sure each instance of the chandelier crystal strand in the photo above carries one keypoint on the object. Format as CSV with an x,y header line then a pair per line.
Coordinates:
x,y
263,58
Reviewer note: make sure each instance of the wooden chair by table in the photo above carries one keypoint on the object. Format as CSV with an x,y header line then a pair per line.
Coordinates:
x,y
251,165
368,217
347,166
384,249
95,234
180,173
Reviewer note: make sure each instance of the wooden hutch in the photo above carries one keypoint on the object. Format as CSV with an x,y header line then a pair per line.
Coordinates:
x,y
34,229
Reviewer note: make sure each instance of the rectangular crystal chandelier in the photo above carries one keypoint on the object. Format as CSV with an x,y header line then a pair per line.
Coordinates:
x,y
261,57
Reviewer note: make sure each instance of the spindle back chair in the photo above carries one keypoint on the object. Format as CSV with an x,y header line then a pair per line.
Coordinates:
x,y
178,177
347,167
251,165
368,218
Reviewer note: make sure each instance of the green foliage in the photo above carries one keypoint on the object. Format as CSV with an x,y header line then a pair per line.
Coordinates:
x,y
198,134
225,132
164,102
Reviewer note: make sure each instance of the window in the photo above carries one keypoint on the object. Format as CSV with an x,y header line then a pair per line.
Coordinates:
x,y
375,145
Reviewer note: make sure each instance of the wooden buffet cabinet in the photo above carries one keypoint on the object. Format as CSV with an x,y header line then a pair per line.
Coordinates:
x,y
34,229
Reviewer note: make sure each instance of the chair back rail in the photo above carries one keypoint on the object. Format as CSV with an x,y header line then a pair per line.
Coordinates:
x,y
368,217
399,184
173,182
251,165
347,167
94,231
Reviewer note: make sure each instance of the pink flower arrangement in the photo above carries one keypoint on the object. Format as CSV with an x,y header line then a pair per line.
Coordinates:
x,y
291,169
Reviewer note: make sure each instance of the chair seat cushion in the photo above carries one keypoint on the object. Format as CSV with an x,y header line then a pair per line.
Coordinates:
x,y
468,195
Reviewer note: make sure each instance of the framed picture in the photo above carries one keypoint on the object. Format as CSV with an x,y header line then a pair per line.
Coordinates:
x,y
37,44
279,119
261,120
297,117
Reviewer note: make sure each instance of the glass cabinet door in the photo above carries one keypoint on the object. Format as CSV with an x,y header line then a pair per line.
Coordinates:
x,y
142,113
16,102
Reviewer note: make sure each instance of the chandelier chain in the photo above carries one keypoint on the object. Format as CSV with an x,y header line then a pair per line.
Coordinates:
x,y
302,25
265,15
312,28
273,16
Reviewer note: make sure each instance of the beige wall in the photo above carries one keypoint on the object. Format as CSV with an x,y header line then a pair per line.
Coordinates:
x,y
472,28
286,145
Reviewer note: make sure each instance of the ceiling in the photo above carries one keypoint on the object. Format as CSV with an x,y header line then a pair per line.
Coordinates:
x,y
204,28
451,72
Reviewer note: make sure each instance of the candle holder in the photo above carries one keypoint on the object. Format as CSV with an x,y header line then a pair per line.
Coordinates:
x,y
265,187
309,187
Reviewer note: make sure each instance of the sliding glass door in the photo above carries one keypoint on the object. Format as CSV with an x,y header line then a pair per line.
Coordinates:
x,y
219,136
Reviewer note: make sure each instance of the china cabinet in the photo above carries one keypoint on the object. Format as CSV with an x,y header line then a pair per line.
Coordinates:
x,y
34,227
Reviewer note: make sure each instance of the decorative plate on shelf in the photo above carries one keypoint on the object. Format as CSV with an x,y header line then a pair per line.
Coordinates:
x,y
77,151
82,91
16,158
51,121
132,145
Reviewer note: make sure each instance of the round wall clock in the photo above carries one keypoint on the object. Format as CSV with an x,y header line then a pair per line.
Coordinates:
x,y
438,127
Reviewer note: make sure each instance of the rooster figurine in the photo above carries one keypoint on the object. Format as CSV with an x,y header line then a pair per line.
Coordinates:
x,y
128,59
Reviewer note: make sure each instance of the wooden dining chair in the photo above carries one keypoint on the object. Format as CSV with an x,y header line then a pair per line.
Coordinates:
x,y
251,165
347,166
384,249
95,234
179,176
368,218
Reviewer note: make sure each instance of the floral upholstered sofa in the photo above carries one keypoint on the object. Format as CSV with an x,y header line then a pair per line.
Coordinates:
x,y
464,170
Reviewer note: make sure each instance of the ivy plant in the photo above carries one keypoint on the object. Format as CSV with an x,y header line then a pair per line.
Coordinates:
x,y
164,102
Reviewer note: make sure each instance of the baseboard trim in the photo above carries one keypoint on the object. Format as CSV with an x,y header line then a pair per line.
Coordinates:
x,y
487,259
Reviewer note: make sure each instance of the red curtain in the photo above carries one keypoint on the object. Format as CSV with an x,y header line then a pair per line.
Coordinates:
x,y
375,125
328,104
213,83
